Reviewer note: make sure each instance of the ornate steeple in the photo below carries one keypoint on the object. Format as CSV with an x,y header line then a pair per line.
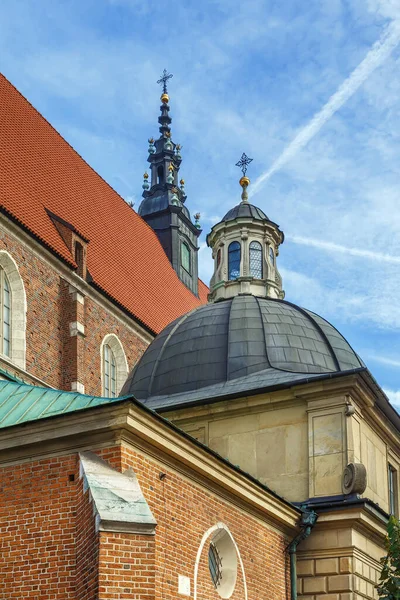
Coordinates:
x,y
163,205
245,245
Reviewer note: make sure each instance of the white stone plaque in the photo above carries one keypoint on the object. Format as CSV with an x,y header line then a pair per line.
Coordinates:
x,y
183,585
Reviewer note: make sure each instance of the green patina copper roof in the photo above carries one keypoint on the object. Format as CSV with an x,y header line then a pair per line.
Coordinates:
x,y
20,403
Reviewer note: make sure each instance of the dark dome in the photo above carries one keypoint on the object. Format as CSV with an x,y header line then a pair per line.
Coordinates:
x,y
245,209
234,339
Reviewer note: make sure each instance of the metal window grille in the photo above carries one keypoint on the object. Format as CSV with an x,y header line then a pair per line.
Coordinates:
x,y
234,260
5,314
110,372
255,260
185,257
214,565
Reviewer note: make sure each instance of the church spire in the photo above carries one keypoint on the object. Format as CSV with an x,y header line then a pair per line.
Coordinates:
x,y
163,205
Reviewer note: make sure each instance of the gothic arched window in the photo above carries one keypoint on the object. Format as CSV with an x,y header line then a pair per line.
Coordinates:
x,y
12,311
5,314
255,260
109,372
234,260
185,257
114,366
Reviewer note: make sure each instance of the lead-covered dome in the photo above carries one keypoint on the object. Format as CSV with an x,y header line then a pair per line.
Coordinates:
x,y
245,209
235,339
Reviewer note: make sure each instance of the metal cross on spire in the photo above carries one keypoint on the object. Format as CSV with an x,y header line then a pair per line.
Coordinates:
x,y
163,80
243,162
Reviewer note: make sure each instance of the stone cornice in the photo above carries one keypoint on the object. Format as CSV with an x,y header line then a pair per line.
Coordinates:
x,y
130,423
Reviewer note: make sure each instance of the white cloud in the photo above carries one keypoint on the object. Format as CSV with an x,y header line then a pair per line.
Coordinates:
x,y
385,360
331,247
394,396
375,57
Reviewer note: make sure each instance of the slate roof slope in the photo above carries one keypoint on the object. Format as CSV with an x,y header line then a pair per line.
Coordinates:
x,y
222,343
39,170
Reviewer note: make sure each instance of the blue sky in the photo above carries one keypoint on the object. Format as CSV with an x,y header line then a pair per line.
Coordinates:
x,y
248,76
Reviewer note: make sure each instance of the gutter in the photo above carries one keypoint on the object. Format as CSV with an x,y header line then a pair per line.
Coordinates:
x,y
307,522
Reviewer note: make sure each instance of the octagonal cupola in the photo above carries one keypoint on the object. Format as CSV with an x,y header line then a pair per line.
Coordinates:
x,y
245,247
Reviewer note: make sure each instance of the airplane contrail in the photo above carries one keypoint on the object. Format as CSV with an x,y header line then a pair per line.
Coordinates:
x,y
379,52
331,247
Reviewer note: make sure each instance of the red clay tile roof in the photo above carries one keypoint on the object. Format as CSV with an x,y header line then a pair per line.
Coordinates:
x,y
39,170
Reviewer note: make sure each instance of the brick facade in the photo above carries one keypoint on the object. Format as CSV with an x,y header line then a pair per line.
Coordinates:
x,y
49,548
54,354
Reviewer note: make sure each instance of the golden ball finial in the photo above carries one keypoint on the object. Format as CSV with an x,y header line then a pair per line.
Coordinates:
x,y
182,182
171,167
146,175
244,182
164,98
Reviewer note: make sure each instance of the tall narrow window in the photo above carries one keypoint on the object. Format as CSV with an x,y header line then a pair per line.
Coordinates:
x,y
185,257
234,260
5,314
392,479
255,260
114,366
271,255
219,254
79,258
160,174
110,372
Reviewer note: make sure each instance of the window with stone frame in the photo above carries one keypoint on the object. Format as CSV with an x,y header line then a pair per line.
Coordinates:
x,y
5,314
114,366
256,260
109,372
185,257
392,482
12,311
271,255
234,256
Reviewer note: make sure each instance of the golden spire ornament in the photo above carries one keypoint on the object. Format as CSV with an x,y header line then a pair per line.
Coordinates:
x,y
244,181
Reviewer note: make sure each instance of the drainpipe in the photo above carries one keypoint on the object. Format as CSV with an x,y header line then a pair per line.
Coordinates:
x,y
307,522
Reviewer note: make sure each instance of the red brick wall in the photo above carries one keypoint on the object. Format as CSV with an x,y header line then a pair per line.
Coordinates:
x,y
87,547
49,549
184,512
51,354
38,530
126,566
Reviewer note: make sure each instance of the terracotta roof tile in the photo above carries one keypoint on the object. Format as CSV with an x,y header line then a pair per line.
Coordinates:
x,y
39,170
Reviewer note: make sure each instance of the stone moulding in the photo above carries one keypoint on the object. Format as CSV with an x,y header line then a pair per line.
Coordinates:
x,y
118,501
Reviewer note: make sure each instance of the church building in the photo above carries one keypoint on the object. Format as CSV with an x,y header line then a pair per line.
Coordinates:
x,y
161,439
